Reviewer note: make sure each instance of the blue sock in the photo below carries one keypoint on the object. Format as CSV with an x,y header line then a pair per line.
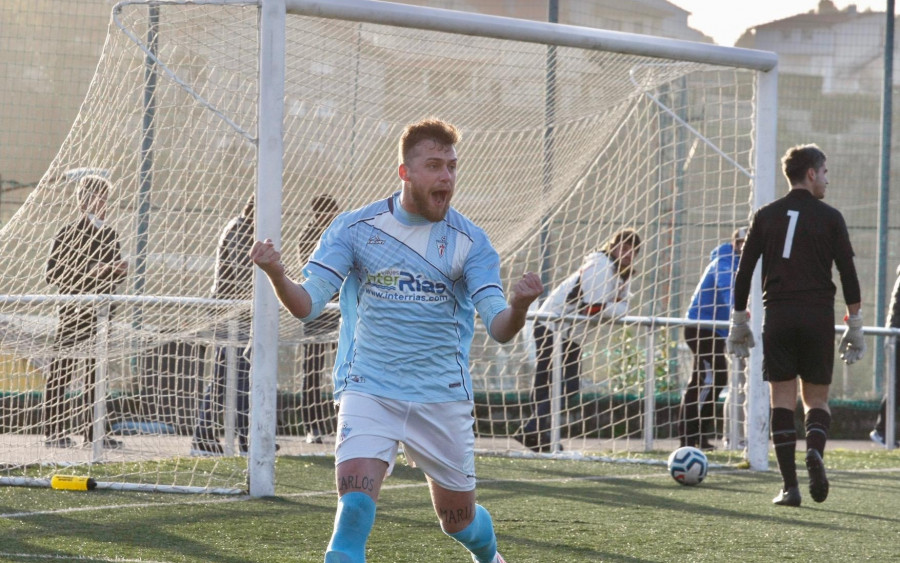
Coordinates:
x,y
478,537
352,524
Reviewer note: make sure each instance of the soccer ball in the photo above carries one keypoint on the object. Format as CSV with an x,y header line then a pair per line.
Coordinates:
x,y
688,465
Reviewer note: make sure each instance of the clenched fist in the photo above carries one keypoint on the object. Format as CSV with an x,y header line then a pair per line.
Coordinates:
x,y
267,258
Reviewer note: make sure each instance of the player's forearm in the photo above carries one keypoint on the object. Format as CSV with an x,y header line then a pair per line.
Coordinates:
x,y
292,295
854,309
508,323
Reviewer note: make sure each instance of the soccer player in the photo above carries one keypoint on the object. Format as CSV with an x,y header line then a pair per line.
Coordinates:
x,y
798,238
85,258
411,271
601,286
711,301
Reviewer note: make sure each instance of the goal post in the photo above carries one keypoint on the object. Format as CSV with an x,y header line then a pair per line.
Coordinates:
x,y
550,34
197,105
269,173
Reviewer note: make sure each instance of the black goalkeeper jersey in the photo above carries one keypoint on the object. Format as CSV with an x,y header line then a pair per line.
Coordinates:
x,y
798,238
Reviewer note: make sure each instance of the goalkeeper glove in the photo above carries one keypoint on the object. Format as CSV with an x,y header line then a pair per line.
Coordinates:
x,y
853,344
740,336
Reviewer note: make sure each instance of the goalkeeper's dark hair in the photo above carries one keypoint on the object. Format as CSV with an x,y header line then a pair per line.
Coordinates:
x,y
434,129
797,160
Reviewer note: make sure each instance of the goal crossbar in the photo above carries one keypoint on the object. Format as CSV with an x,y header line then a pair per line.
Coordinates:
x,y
562,35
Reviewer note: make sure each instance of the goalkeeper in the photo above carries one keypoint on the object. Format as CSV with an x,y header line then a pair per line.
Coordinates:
x,y
798,238
411,271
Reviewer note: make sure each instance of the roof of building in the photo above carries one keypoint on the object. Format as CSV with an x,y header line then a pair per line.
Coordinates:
x,y
819,19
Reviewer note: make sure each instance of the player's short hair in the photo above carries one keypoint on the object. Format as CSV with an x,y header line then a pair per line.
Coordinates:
x,y
434,129
324,204
628,236
797,160
90,186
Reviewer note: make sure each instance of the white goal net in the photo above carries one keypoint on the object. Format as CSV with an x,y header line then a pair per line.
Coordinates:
x,y
562,147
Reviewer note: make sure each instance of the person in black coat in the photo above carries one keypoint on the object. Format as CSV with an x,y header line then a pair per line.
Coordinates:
x,y
85,258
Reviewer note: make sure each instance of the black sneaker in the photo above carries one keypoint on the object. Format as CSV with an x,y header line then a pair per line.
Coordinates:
x,y
59,442
706,445
111,444
545,444
206,448
788,497
108,443
818,482
530,440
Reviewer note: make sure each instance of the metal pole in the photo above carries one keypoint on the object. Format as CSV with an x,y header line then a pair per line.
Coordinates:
x,y
556,387
679,217
549,111
884,191
231,378
101,376
890,413
649,391
763,193
545,33
146,172
269,188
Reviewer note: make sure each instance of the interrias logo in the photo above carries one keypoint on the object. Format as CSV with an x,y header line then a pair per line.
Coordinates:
x,y
405,282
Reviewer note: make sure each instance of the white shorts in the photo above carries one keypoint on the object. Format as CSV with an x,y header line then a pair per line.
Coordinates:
x,y
438,438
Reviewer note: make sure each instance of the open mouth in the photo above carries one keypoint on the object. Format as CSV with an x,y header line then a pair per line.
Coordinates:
x,y
440,197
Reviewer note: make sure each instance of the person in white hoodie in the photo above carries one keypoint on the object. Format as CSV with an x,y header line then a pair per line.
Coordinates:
x,y
599,287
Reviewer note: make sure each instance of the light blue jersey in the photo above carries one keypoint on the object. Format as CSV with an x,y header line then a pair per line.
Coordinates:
x,y
408,294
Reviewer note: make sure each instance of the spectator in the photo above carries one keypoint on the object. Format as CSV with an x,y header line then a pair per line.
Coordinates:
x,y
233,280
709,374
600,287
85,258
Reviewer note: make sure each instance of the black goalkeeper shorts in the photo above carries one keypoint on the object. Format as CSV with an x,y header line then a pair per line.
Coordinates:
x,y
798,340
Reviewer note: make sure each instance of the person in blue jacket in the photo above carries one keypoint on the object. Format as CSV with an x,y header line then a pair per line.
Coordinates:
x,y
709,374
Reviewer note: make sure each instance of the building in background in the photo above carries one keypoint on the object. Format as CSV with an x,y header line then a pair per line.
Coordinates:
x,y
647,17
842,48
48,52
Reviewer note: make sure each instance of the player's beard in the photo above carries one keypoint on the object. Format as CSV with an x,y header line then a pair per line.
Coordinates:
x,y
432,204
